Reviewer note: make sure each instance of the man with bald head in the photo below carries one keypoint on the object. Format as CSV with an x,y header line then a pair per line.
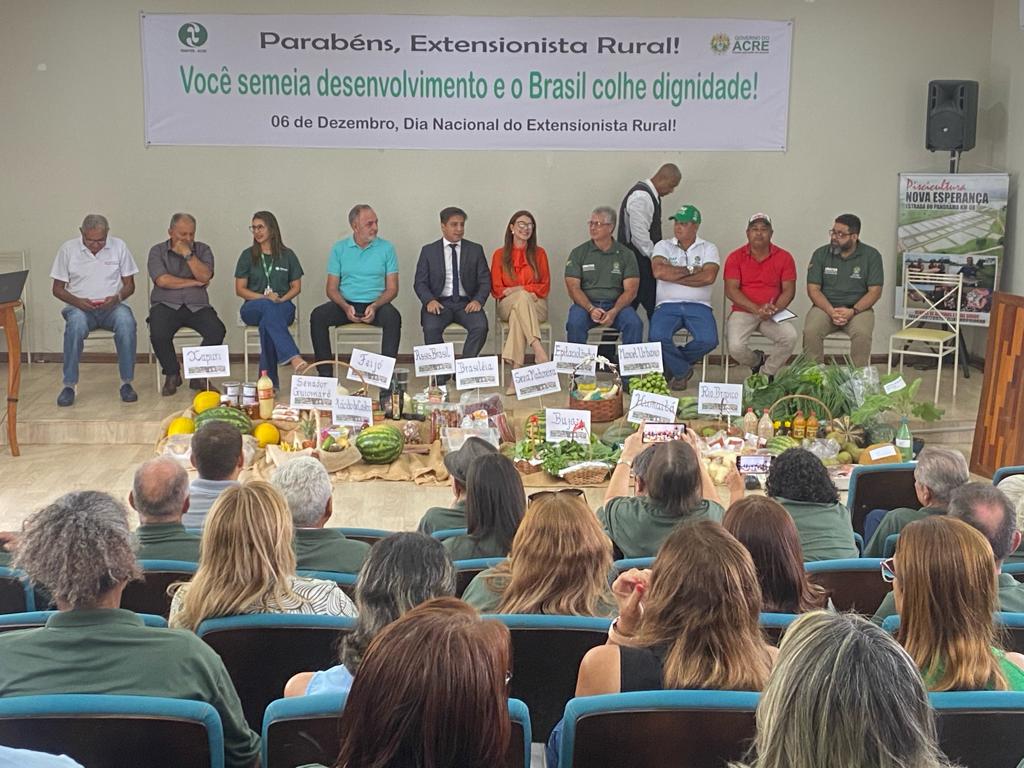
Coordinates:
x,y
94,274
640,227
160,496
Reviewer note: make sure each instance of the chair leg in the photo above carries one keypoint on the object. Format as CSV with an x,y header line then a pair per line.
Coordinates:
x,y
888,368
938,372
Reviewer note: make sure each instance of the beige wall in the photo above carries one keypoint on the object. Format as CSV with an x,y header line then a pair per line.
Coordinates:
x,y
72,143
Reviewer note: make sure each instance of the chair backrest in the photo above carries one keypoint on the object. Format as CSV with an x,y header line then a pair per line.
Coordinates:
x,y
776,624
658,729
546,656
1004,472
149,595
1009,627
889,548
367,535
467,570
16,594
30,619
347,581
633,562
262,651
449,533
980,729
855,584
115,731
880,486
941,295
305,730
859,541
1014,569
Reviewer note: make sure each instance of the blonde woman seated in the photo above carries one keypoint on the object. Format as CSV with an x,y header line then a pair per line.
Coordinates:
x,y
559,563
520,283
843,693
944,581
247,564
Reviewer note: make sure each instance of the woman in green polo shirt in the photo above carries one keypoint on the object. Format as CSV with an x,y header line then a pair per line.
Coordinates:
x,y
800,482
268,276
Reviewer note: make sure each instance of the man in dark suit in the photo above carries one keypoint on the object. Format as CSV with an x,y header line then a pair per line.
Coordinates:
x,y
452,282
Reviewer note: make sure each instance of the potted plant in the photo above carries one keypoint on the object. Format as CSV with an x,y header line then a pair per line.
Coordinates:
x,y
881,411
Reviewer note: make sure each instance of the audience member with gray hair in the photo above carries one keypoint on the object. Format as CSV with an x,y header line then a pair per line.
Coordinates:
x,y
1013,487
94,274
306,488
402,571
844,693
939,472
986,508
79,549
160,496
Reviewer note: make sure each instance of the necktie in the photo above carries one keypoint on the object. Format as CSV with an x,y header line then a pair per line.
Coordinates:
x,y
456,285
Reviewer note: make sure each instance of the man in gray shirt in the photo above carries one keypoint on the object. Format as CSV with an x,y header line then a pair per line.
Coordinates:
x,y
218,458
180,267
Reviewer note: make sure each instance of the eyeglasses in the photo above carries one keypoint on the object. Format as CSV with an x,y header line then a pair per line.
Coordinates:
x,y
257,227
524,224
888,567
544,494
599,223
837,233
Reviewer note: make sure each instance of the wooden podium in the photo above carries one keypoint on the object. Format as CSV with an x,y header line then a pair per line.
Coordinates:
x,y
10,326
999,430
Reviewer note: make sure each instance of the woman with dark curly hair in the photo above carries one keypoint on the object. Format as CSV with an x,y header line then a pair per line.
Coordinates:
x,y
800,483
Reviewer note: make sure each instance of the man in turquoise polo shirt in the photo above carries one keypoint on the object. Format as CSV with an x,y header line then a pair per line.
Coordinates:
x,y
844,280
362,281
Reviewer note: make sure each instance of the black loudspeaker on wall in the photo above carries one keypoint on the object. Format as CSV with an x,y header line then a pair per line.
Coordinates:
x,y
952,115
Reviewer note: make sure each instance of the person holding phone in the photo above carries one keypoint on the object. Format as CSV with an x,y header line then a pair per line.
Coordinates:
x,y
268,276
362,281
676,487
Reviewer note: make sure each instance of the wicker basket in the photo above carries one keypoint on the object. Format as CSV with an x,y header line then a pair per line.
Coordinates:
x,y
824,407
601,411
592,475
526,468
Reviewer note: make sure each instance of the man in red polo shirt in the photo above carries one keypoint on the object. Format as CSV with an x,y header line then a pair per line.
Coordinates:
x,y
760,280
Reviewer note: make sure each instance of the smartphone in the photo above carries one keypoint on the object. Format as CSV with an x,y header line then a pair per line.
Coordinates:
x,y
753,465
662,433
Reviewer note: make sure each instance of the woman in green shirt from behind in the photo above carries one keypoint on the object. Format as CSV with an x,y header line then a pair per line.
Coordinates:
x,y
944,581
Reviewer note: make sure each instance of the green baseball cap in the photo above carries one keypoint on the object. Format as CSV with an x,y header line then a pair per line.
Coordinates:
x,y
686,214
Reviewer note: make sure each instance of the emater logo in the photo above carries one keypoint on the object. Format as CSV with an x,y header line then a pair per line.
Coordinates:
x,y
720,43
192,34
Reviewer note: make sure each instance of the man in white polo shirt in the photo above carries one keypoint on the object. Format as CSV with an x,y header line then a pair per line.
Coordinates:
x,y
685,267
93,275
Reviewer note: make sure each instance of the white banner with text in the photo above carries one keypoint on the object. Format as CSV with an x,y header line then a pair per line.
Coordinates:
x,y
466,82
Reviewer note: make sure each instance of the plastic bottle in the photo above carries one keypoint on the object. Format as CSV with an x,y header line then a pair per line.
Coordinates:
x,y
787,428
750,422
813,425
905,441
265,395
799,426
765,431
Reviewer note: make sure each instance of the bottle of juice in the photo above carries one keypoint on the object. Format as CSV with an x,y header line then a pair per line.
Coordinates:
x,y
750,422
813,425
787,428
905,441
799,426
765,430
265,395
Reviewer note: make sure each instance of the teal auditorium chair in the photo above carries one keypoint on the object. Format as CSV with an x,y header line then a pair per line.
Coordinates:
x,y
467,570
115,731
16,594
261,651
31,619
1004,472
449,533
367,535
1014,569
853,584
1009,629
859,541
889,548
980,729
626,563
546,656
880,486
347,581
305,730
149,595
776,624
658,729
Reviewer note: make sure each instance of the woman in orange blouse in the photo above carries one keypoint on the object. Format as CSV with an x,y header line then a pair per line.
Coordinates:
x,y
520,283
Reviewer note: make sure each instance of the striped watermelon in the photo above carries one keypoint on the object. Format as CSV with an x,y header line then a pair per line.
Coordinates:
x,y
380,444
225,413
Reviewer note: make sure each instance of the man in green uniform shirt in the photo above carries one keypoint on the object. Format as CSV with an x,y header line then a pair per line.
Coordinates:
x,y
986,508
938,473
79,549
160,496
306,487
844,280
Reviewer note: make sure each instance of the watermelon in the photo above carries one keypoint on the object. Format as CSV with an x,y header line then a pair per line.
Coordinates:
x,y
380,444
781,443
225,413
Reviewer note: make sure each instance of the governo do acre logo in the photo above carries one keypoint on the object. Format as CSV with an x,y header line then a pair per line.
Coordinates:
x,y
720,43
192,34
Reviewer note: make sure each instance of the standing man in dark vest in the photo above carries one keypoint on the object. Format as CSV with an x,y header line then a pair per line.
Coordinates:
x,y
640,227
